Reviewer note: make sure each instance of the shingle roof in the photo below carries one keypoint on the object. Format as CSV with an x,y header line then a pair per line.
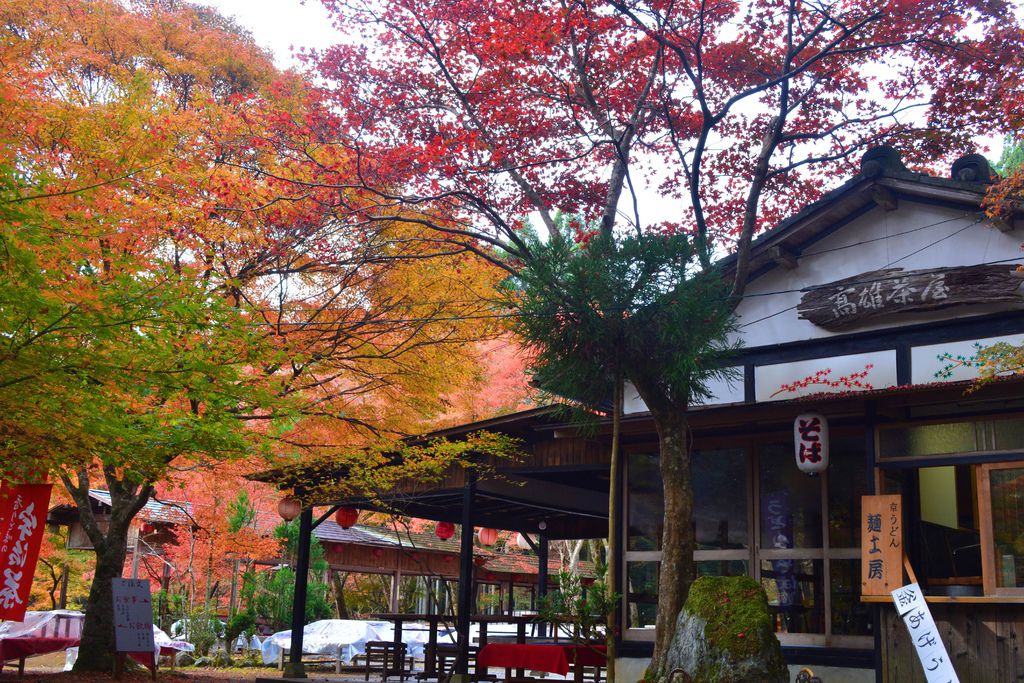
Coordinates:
x,y
167,511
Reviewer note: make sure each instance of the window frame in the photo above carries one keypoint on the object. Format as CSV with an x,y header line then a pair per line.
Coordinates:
x,y
753,554
987,533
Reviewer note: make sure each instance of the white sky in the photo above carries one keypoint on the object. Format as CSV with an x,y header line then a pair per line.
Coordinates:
x,y
281,25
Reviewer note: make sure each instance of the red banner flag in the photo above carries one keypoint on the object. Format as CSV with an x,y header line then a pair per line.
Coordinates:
x,y
22,523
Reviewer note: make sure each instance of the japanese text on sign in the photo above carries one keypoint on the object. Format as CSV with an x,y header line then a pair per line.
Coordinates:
x,y
924,634
881,544
21,534
133,615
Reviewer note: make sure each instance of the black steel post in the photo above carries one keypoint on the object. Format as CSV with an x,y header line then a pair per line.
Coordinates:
x,y
465,606
294,668
542,577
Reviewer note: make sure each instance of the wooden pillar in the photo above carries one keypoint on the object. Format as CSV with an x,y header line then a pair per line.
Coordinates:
x,y
294,668
465,606
542,576
396,590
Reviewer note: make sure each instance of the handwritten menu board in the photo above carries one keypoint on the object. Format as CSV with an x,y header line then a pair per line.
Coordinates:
x,y
924,634
133,616
881,544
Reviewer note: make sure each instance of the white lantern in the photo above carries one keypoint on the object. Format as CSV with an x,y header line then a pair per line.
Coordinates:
x,y
522,542
810,436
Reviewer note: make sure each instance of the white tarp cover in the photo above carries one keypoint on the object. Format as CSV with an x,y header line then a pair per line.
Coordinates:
x,y
52,624
329,637
160,640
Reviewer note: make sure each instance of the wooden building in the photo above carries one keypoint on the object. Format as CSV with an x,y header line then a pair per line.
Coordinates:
x,y
866,312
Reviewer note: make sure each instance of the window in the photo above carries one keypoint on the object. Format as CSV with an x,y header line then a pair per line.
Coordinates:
x,y
755,513
964,517
1002,527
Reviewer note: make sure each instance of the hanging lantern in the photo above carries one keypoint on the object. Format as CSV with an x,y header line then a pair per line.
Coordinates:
x,y
487,536
147,529
810,435
346,517
522,542
289,508
444,530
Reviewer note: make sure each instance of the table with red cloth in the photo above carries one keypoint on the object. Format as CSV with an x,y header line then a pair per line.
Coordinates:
x,y
23,647
27,646
552,657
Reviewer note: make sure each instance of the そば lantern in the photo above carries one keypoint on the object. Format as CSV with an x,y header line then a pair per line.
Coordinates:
x,y
444,530
487,536
346,517
810,436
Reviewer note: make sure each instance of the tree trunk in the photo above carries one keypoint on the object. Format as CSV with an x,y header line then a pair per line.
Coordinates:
x,y
338,580
97,647
677,540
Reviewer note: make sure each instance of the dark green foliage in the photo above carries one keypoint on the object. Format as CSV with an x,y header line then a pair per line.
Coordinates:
x,y
582,609
241,512
269,595
1012,157
634,304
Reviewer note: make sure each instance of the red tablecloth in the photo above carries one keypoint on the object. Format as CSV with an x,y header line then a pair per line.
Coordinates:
x,y
553,657
16,648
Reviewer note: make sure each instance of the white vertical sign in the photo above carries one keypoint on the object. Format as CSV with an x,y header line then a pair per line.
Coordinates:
x,y
133,616
924,634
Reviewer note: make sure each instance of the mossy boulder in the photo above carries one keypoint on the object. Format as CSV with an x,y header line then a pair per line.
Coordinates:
x,y
724,634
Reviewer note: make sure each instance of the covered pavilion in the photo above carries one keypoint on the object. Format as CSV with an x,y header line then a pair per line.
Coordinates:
x,y
556,490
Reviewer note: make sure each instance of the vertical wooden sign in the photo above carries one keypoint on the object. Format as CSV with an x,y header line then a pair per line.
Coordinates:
x,y
881,544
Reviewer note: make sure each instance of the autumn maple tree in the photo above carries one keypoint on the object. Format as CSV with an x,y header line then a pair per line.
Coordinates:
x,y
703,122
165,307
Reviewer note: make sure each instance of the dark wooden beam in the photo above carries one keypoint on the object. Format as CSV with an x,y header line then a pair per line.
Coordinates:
x,y
465,597
294,668
545,495
885,198
783,256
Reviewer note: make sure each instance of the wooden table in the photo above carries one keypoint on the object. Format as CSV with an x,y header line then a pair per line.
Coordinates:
x,y
551,657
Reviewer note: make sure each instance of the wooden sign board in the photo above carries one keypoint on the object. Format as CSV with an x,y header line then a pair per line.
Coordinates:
x,y
847,302
133,616
881,544
924,634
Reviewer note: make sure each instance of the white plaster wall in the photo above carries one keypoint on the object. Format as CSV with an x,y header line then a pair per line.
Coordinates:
x,y
941,237
728,390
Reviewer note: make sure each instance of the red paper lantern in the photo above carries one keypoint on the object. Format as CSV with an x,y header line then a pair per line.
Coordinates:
x,y
147,529
487,536
378,552
346,517
444,530
289,508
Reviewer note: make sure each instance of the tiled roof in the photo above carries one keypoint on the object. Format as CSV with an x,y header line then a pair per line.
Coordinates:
x,y
167,511
511,562
362,534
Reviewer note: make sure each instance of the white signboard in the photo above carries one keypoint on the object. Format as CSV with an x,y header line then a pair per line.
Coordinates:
x,y
924,634
133,615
